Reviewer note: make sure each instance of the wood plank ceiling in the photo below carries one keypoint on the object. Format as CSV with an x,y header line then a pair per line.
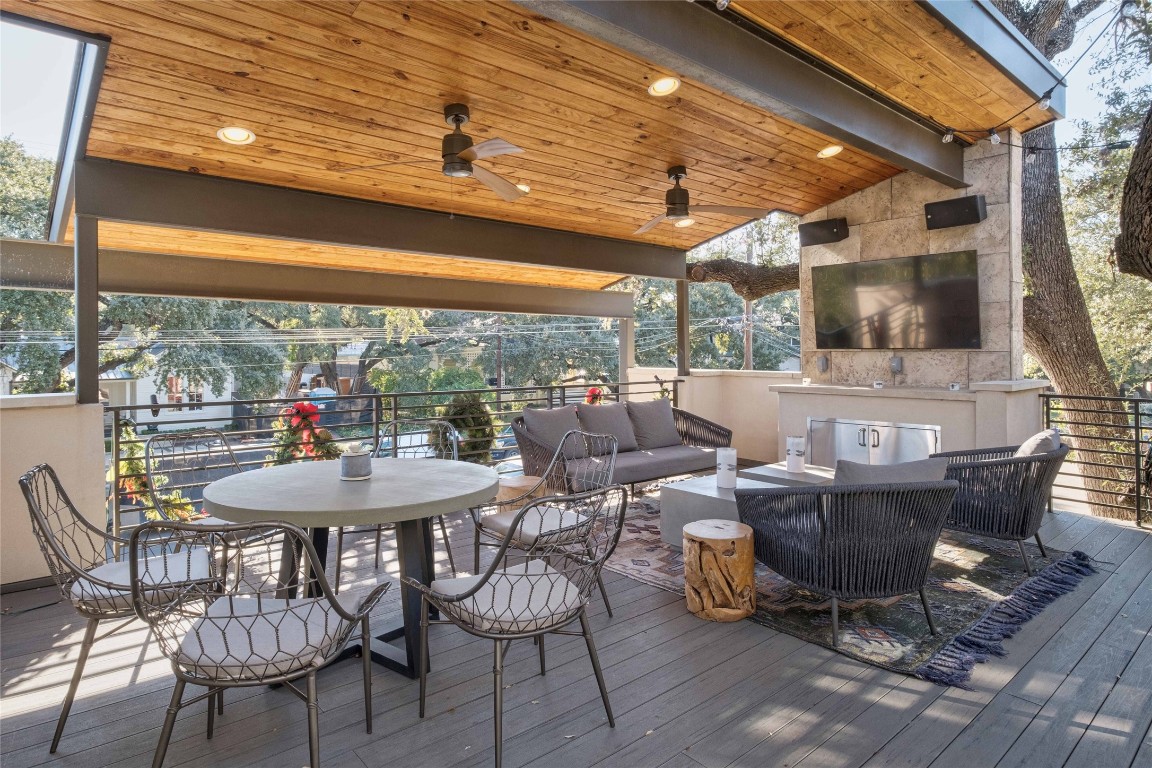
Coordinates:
x,y
327,86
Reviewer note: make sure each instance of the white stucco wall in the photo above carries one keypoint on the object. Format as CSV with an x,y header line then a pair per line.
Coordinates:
x,y
52,429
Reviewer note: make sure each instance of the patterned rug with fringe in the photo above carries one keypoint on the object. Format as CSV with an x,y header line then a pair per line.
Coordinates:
x,y
978,589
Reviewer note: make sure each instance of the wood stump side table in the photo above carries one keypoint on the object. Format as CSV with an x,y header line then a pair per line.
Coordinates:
x,y
719,577
514,487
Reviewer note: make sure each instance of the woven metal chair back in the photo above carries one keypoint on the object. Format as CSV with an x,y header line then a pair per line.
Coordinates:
x,y
849,541
583,462
419,439
268,615
180,465
71,546
1005,496
546,568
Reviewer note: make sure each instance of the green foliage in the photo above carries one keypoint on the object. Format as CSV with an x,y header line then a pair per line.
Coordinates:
x,y
449,378
470,415
25,191
133,485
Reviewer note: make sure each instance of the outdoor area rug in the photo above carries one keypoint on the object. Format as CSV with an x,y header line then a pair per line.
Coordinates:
x,y
978,589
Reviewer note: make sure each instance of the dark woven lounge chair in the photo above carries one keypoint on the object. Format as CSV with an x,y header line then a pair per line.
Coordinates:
x,y
850,542
1002,495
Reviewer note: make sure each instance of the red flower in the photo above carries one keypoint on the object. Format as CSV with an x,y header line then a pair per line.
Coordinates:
x,y
303,412
594,396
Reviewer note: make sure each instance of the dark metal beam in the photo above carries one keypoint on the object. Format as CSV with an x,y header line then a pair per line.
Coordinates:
x,y
86,277
47,266
683,330
697,43
135,193
985,29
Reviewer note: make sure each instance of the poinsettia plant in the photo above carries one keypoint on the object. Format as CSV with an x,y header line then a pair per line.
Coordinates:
x,y
594,396
299,436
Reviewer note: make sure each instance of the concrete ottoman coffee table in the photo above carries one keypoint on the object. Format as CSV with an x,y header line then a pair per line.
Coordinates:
x,y
778,474
695,499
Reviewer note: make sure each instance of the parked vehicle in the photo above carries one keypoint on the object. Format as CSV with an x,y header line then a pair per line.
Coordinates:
x,y
504,446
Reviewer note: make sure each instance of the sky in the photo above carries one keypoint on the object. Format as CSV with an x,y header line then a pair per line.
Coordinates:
x,y
32,107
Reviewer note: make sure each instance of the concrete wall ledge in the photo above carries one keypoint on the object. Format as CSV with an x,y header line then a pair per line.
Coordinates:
x,y
49,400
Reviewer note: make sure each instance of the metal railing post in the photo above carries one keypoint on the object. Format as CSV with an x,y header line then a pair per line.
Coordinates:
x,y
116,481
1136,445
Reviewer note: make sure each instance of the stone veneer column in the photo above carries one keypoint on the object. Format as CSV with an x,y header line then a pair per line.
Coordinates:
x,y
886,221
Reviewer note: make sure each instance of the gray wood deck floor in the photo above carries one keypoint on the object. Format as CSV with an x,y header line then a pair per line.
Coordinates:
x,y
1075,690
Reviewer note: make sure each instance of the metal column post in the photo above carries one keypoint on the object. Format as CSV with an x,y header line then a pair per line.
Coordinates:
x,y
627,338
87,272
683,322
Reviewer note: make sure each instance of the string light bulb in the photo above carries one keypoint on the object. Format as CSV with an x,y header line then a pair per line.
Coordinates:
x,y
993,136
1045,100
949,136
1030,155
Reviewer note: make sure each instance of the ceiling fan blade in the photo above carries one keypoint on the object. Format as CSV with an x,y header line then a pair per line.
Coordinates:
x,y
489,148
731,210
497,184
341,168
651,224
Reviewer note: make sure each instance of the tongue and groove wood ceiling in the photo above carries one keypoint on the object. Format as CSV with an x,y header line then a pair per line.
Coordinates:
x,y
328,85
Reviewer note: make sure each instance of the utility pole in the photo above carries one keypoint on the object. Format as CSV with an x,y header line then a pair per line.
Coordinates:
x,y
499,361
749,254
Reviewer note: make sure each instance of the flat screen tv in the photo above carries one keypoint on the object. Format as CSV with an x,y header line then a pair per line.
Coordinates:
x,y
919,302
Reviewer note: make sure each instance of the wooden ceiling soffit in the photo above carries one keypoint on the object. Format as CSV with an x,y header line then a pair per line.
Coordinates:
x,y
126,192
49,266
697,43
141,238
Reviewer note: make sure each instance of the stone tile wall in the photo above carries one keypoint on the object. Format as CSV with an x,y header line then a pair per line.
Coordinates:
x,y
886,221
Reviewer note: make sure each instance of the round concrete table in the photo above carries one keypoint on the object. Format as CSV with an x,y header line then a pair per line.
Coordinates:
x,y
406,492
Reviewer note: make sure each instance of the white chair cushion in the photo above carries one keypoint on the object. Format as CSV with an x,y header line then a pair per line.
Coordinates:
x,y
190,567
540,521
522,598
253,638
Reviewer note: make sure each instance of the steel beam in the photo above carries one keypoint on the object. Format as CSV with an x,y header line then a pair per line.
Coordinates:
x,y
695,42
683,330
140,194
46,266
85,282
986,30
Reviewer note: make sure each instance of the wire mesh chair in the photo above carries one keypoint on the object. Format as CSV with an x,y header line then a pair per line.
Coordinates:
x,y
1002,495
180,465
850,542
432,439
584,462
224,631
78,555
530,590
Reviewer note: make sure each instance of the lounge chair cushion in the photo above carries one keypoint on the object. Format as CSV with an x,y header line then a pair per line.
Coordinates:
x,y
641,466
853,473
1040,443
95,596
549,425
538,521
609,419
521,598
653,423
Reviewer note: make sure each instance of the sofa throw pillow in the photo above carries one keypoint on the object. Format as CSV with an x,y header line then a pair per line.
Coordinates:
x,y
1040,443
609,419
653,423
853,473
549,425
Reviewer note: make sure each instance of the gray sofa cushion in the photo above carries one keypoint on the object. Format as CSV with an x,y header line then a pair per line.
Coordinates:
x,y
926,470
641,466
653,423
1040,443
609,419
549,425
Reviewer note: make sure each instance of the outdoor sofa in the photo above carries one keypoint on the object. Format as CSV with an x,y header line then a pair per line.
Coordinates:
x,y
654,439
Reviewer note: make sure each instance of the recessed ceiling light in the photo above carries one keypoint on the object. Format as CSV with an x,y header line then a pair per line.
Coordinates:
x,y
685,222
664,86
829,151
524,188
234,134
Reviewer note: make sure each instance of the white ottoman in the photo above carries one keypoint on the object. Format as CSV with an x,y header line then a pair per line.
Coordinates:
x,y
698,499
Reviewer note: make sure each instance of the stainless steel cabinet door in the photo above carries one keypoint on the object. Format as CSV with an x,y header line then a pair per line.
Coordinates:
x,y
894,444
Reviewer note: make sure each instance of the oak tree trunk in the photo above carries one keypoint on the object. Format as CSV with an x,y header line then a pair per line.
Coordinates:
x,y
1134,243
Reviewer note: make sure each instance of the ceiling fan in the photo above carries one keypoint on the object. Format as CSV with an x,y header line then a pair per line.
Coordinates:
x,y
679,209
459,155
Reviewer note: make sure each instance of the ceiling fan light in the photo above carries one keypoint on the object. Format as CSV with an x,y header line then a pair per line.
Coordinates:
x,y
664,86
458,169
234,134
830,151
685,222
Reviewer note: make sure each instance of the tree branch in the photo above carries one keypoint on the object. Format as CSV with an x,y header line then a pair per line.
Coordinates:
x,y
750,281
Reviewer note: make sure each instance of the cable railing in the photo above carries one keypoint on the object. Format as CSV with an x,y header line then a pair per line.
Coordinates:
x,y
253,429
1112,437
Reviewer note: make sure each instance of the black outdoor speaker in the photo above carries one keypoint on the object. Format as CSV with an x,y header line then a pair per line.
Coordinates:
x,y
954,213
827,231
